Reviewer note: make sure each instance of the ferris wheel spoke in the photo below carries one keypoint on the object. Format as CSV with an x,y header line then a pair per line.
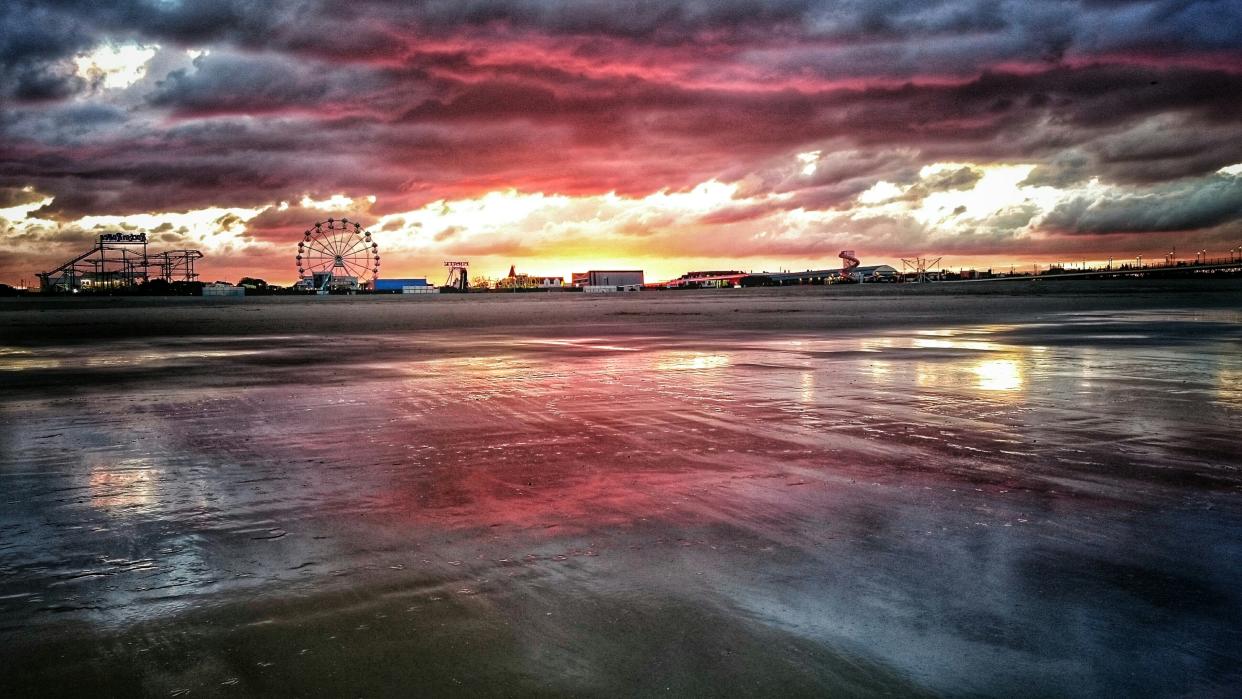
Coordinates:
x,y
332,243
342,241
361,258
361,272
359,255
327,239
320,249
355,247
320,239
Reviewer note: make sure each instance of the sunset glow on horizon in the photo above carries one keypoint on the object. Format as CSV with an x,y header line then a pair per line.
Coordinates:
x,y
559,137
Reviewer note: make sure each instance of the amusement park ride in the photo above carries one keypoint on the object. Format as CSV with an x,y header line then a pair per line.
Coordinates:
x,y
337,255
459,275
850,261
120,260
919,266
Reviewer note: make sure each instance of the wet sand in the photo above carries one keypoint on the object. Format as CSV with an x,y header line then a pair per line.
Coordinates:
x,y
1004,492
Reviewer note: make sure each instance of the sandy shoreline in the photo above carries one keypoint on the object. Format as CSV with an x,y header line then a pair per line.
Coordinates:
x,y
31,321
798,492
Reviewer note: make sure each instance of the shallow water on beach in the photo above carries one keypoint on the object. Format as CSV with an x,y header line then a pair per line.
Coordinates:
x,y
1034,509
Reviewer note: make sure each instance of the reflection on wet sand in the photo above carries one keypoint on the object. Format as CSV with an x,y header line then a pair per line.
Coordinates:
x,y
1019,509
999,375
122,486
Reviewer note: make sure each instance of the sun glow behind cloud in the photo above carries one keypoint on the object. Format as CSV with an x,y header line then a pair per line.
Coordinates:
x,y
666,232
115,66
999,188
544,222
19,212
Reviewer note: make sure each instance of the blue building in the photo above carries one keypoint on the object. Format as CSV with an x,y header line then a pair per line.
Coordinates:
x,y
393,286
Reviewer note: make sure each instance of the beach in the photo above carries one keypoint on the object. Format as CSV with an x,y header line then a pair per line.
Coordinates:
x,y
1009,489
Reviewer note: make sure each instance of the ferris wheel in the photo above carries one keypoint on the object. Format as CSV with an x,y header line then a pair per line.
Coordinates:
x,y
340,248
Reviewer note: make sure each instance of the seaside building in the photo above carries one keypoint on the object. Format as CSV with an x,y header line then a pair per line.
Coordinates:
x,y
325,281
397,286
729,278
867,273
517,280
612,277
218,289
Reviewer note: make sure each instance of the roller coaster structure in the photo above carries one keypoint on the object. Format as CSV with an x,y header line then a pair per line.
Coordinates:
x,y
120,260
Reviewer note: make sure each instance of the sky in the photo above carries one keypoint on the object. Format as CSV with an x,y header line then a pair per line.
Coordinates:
x,y
561,136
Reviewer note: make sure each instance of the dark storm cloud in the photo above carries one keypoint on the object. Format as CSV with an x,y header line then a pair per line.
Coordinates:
x,y
1182,206
415,102
635,20
33,40
1066,168
532,135
1161,149
233,84
963,177
14,196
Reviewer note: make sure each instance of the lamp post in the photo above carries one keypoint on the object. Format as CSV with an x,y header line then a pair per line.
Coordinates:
x,y
1140,260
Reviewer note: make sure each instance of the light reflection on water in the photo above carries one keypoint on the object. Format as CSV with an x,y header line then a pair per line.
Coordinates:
x,y
941,502
693,361
1229,386
999,375
119,487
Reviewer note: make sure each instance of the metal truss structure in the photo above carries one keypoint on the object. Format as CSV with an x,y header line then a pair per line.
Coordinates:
x,y
458,276
919,266
120,260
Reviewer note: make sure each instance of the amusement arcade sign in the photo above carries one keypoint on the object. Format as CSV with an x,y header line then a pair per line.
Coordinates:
x,y
123,238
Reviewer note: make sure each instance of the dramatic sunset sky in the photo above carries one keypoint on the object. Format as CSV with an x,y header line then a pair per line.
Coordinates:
x,y
560,135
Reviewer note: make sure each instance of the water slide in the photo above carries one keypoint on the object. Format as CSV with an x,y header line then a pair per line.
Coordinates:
x,y
850,262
